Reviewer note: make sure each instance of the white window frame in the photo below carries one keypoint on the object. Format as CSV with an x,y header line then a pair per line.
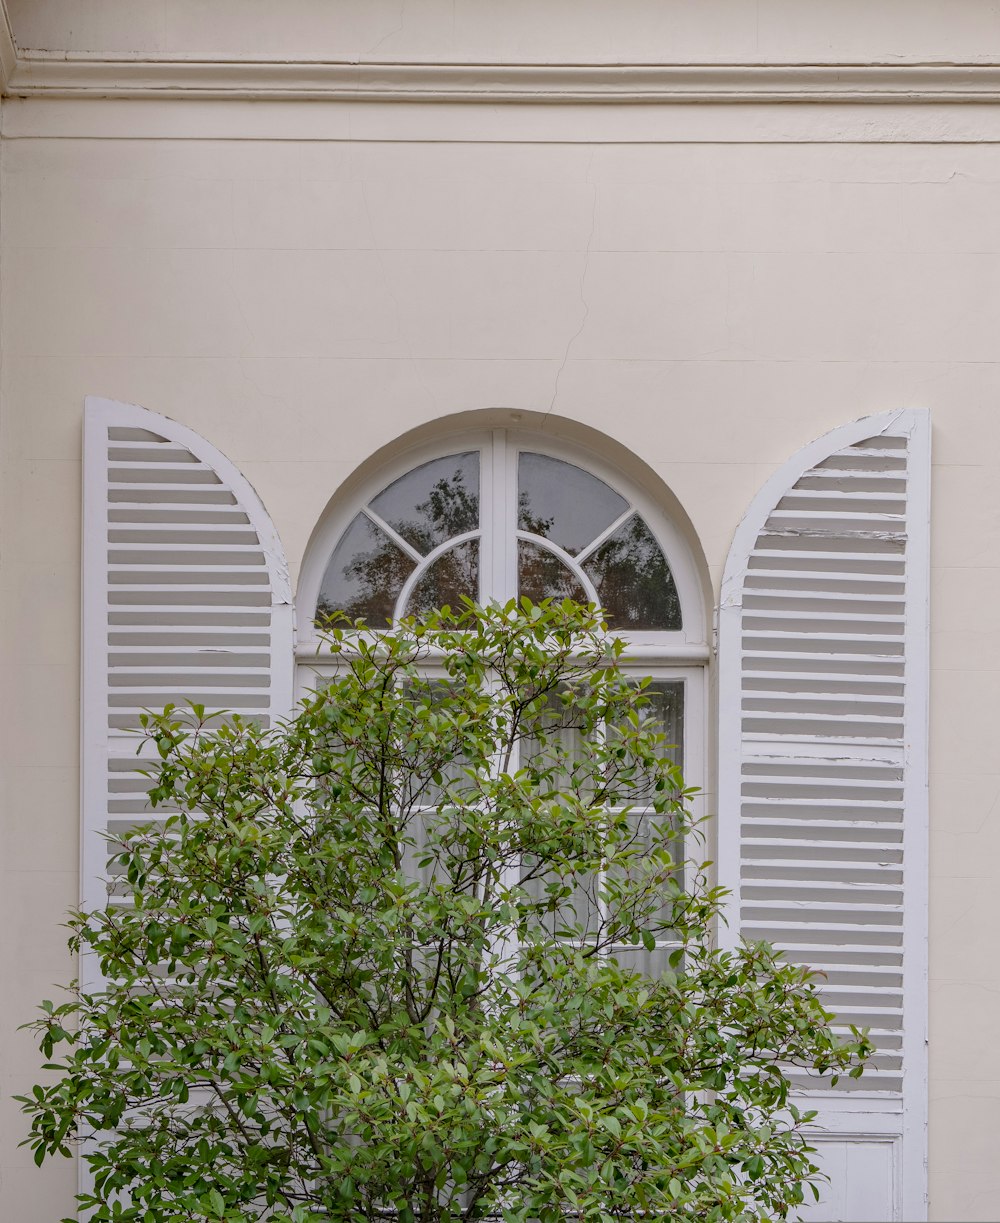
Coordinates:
x,y
498,450
677,654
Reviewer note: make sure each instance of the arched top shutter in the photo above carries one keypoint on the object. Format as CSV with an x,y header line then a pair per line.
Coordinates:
x,y
823,676
186,597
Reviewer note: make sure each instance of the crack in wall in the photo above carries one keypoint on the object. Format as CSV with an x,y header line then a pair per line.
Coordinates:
x,y
583,300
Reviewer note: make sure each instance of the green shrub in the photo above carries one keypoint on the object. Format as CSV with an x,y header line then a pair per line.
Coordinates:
x,y
375,964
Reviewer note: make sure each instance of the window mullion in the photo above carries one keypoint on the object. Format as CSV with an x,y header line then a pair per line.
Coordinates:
x,y
600,902
505,948
500,523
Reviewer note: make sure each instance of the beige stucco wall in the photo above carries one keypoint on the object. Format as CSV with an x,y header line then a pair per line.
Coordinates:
x,y
713,291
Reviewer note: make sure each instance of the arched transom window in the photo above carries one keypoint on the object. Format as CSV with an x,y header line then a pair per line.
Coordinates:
x,y
499,520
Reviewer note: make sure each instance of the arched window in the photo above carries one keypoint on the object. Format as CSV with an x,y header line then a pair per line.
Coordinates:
x,y
503,514
439,532
500,515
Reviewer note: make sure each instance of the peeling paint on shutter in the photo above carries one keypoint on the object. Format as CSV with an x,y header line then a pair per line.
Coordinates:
x,y
823,750
185,598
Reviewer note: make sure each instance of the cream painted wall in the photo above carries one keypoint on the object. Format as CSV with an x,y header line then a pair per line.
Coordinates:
x,y
712,305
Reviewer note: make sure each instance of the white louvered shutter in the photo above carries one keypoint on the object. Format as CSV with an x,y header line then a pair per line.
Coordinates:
x,y
185,598
823,776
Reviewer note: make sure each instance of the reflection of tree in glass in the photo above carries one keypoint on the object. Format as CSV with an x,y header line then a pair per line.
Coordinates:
x,y
529,521
378,573
450,509
381,573
452,575
634,583
325,611
540,574
633,580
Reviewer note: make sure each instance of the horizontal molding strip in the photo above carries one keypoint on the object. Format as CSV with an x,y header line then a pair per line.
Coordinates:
x,y
35,74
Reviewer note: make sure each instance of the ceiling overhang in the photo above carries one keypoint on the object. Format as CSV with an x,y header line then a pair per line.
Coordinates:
x,y
30,73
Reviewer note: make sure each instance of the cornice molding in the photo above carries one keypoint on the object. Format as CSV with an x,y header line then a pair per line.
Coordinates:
x,y
28,73
34,74
8,48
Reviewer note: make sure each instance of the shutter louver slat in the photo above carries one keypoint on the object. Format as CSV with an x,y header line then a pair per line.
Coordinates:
x,y
186,598
822,826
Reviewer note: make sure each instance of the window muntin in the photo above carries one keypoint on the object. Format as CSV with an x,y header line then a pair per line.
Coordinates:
x,y
404,532
497,522
433,502
564,503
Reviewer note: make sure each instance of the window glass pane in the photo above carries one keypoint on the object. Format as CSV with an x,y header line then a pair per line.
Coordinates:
x,y
564,503
663,712
414,852
634,583
364,576
452,575
540,575
440,774
561,727
563,746
637,959
579,908
433,502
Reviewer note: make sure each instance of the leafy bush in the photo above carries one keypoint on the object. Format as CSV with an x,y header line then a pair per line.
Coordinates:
x,y
383,962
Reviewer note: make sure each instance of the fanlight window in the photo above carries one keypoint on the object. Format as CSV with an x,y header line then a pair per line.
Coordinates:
x,y
492,524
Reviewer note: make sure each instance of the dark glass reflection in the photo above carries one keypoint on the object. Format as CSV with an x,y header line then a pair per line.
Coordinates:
x,y
634,583
564,503
452,575
433,502
364,576
430,504
540,575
